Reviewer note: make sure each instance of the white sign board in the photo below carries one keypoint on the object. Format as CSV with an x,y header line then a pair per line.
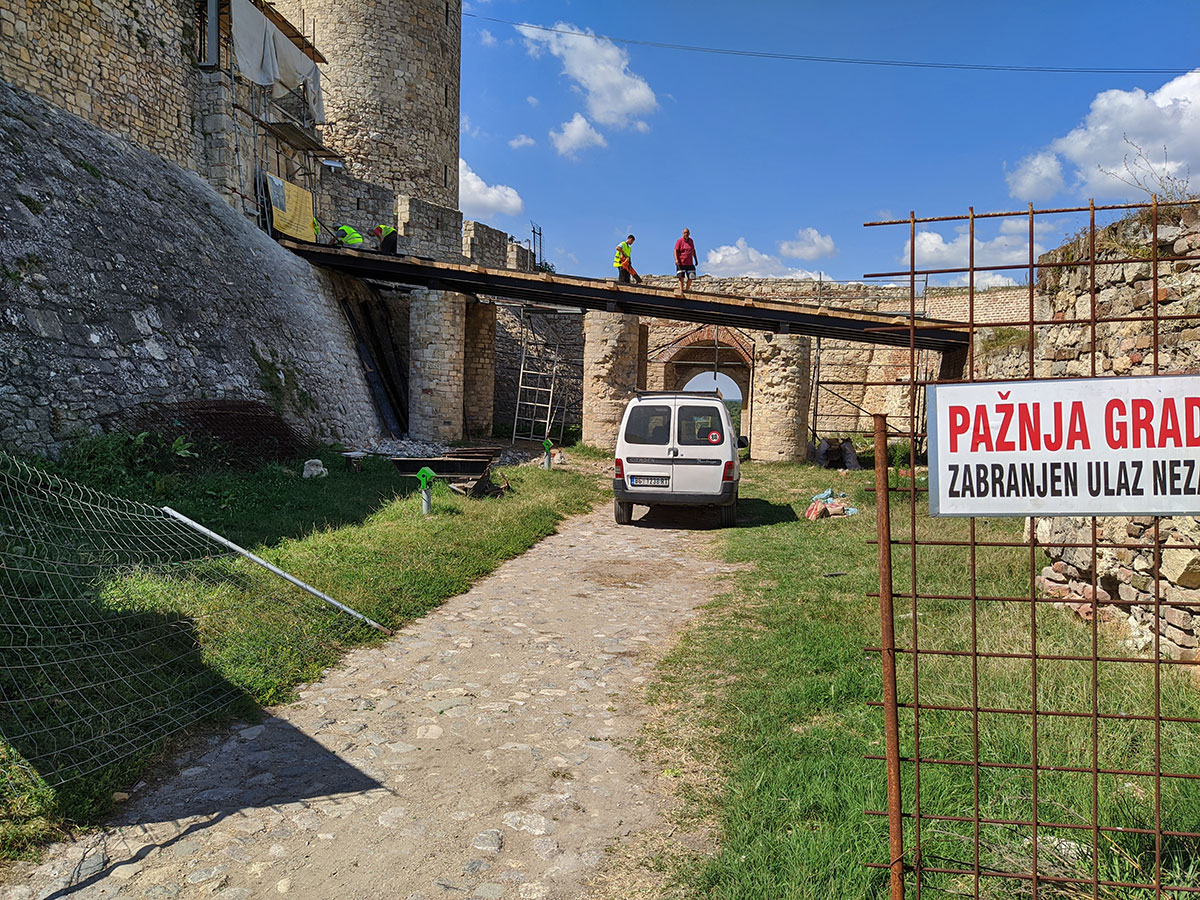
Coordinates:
x,y
1073,447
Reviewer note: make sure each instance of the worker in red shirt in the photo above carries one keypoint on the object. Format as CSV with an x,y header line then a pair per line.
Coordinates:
x,y
685,260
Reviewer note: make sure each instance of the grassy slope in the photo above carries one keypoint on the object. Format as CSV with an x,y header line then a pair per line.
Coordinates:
x,y
766,709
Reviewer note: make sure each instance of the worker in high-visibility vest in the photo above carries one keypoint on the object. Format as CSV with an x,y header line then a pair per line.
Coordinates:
x,y
345,236
623,262
386,235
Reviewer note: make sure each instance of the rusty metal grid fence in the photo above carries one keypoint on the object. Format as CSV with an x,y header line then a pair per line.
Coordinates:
x,y
1041,687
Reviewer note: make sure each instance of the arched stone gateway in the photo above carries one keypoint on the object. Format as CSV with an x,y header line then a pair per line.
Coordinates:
x,y
772,371
677,354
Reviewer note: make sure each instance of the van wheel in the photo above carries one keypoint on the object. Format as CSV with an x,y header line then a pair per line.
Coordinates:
x,y
729,514
622,512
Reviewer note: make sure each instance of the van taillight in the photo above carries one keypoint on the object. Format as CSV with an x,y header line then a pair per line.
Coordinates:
x,y
727,475
620,469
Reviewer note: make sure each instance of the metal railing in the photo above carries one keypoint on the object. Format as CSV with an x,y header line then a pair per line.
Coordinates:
x,y
1040,693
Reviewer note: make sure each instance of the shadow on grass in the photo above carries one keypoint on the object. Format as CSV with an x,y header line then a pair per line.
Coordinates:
x,y
755,512
253,508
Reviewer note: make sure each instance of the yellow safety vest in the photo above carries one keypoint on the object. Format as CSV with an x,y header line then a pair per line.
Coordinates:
x,y
385,230
622,249
349,236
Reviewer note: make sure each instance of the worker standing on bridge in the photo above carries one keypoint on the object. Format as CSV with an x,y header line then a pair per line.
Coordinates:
x,y
623,262
685,260
386,235
345,236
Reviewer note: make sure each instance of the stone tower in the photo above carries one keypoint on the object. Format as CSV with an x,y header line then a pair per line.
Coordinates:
x,y
391,89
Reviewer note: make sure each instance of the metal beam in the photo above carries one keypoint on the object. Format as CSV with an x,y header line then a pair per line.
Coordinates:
x,y
585,293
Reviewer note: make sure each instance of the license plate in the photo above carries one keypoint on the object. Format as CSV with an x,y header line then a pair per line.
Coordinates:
x,y
649,480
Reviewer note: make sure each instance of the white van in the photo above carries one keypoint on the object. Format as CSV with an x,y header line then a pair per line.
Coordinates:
x,y
677,449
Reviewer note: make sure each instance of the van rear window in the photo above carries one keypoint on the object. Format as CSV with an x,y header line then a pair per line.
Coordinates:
x,y
700,425
649,425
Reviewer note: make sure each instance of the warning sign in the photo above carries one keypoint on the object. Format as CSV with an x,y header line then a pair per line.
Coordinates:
x,y
1078,447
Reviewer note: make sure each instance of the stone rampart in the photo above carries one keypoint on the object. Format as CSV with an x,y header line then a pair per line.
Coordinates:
x,y
855,380
484,245
430,230
519,257
119,293
343,199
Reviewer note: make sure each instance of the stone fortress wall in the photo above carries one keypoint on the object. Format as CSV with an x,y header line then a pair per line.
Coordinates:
x,y
392,98
119,293
134,71
126,68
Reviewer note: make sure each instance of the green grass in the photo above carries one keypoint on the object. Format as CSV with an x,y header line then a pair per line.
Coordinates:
x,y
225,633
766,703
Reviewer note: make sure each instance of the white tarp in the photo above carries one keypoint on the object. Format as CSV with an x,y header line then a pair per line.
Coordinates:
x,y
265,56
1074,447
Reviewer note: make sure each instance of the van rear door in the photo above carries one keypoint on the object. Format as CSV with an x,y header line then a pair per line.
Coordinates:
x,y
701,448
647,438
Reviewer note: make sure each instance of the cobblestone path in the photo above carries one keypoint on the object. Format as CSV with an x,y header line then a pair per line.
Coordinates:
x,y
481,753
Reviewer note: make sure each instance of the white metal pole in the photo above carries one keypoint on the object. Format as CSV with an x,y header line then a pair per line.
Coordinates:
x,y
225,542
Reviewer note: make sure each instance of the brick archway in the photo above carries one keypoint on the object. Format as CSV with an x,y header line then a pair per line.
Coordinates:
x,y
676,358
675,355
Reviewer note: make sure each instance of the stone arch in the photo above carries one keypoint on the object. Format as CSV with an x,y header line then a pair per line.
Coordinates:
x,y
672,365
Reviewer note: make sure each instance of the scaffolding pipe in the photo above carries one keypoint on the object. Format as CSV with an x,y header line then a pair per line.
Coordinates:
x,y
258,560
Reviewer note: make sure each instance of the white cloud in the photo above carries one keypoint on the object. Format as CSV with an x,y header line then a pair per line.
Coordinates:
x,y
1168,117
984,280
532,100
615,96
740,259
809,244
477,198
521,140
1037,176
464,126
576,135
1010,247
487,38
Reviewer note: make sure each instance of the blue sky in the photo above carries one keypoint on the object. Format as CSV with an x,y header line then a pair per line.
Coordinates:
x,y
774,164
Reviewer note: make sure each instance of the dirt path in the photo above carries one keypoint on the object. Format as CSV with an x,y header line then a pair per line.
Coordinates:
x,y
482,753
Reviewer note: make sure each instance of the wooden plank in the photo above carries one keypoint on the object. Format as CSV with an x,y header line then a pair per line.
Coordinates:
x,y
443,466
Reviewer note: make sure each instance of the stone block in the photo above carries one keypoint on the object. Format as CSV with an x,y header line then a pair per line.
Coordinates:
x,y
1049,573
1181,566
1177,635
1055,589
1130,594
1180,618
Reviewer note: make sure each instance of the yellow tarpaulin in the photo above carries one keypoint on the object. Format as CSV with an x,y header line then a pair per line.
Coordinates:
x,y
291,209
